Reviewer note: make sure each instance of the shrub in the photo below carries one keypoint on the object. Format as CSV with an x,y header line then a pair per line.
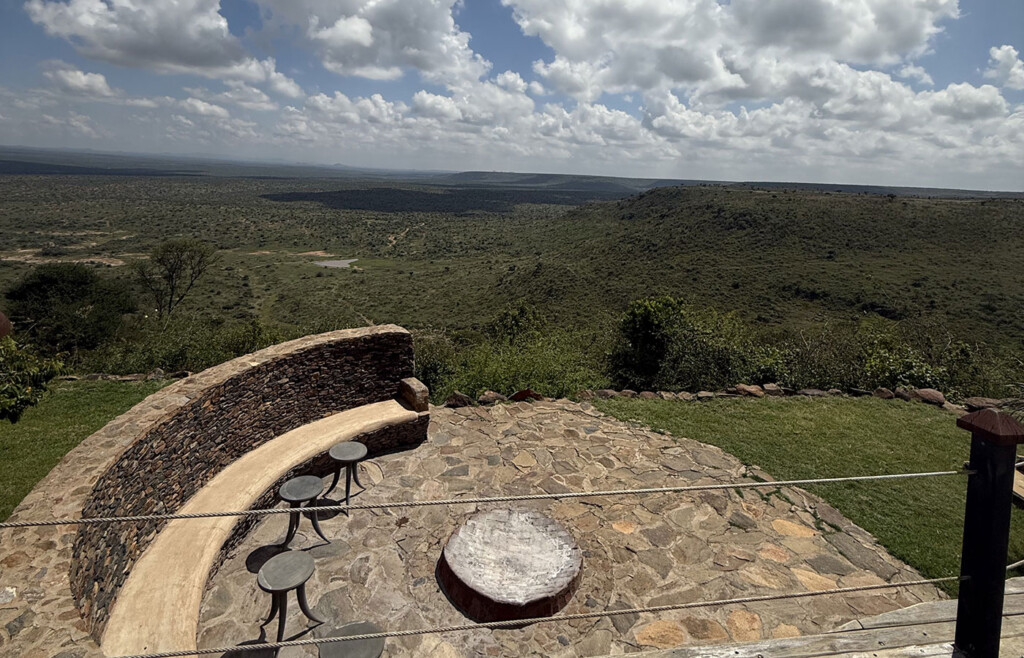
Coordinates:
x,y
68,307
23,378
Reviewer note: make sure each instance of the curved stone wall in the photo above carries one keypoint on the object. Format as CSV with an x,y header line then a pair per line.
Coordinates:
x,y
182,436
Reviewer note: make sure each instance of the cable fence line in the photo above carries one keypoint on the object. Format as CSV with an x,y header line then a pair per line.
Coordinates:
x,y
514,623
480,500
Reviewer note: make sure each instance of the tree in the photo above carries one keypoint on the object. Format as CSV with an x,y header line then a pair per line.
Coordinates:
x,y
172,270
23,378
67,307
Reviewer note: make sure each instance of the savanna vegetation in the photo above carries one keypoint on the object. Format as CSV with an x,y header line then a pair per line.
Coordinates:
x,y
806,288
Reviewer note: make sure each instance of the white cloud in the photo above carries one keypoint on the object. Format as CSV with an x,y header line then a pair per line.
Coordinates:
x,y
710,48
381,39
914,72
1005,67
72,81
237,93
185,36
203,108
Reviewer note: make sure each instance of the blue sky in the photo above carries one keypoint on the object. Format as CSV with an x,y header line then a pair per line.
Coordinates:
x,y
858,91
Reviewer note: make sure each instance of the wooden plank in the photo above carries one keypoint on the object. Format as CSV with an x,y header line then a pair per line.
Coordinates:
x,y
935,611
1018,485
868,642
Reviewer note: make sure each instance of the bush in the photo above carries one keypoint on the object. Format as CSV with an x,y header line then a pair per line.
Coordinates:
x,y
23,378
68,307
664,344
184,344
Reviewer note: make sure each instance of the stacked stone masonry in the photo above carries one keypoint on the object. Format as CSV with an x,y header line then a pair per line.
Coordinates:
x,y
57,584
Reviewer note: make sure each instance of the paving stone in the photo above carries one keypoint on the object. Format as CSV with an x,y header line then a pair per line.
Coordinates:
x,y
638,551
662,634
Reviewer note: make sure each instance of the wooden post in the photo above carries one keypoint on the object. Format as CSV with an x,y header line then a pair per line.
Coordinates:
x,y
979,614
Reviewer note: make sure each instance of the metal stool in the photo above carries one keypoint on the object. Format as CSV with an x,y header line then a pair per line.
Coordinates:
x,y
347,455
300,490
281,574
354,648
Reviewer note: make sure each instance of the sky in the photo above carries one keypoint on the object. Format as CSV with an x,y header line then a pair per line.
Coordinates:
x,y
894,92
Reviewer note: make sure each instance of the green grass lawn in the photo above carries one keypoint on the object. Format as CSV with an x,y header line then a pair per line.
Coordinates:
x,y
920,521
71,412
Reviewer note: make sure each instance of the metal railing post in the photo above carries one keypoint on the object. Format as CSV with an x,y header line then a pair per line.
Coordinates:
x,y
979,614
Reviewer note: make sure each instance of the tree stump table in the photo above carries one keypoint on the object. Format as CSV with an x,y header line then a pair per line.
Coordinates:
x,y
510,564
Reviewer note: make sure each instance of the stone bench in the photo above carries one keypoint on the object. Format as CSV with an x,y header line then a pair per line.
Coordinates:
x,y
158,606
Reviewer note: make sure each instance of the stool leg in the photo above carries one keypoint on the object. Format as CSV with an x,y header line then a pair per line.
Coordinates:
x,y
283,612
334,482
304,605
293,525
355,475
273,608
348,484
316,526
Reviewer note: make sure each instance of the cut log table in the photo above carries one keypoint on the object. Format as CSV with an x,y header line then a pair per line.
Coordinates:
x,y
510,564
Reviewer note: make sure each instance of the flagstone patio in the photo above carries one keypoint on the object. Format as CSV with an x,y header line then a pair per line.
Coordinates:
x,y
637,550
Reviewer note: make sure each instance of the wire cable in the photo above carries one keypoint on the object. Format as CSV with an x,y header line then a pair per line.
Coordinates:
x,y
139,518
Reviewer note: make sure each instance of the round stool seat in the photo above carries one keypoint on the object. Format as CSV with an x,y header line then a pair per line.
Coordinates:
x,y
301,489
353,648
285,572
347,452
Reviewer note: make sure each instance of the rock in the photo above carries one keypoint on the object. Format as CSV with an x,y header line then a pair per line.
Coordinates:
x,y
753,391
527,394
705,395
785,630
834,391
665,395
444,650
812,581
181,374
647,395
861,556
977,403
958,409
458,399
157,374
623,622
745,626
883,393
904,394
491,397
931,396
791,529
68,378
585,394
606,394
773,390
415,393
742,520
705,629
827,563
627,393
685,397
662,634
812,392
859,392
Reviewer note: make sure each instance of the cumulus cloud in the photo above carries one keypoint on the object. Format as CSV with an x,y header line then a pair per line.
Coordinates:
x,y
203,108
914,72
381,39
725,49
73,81
1005,67
186,36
